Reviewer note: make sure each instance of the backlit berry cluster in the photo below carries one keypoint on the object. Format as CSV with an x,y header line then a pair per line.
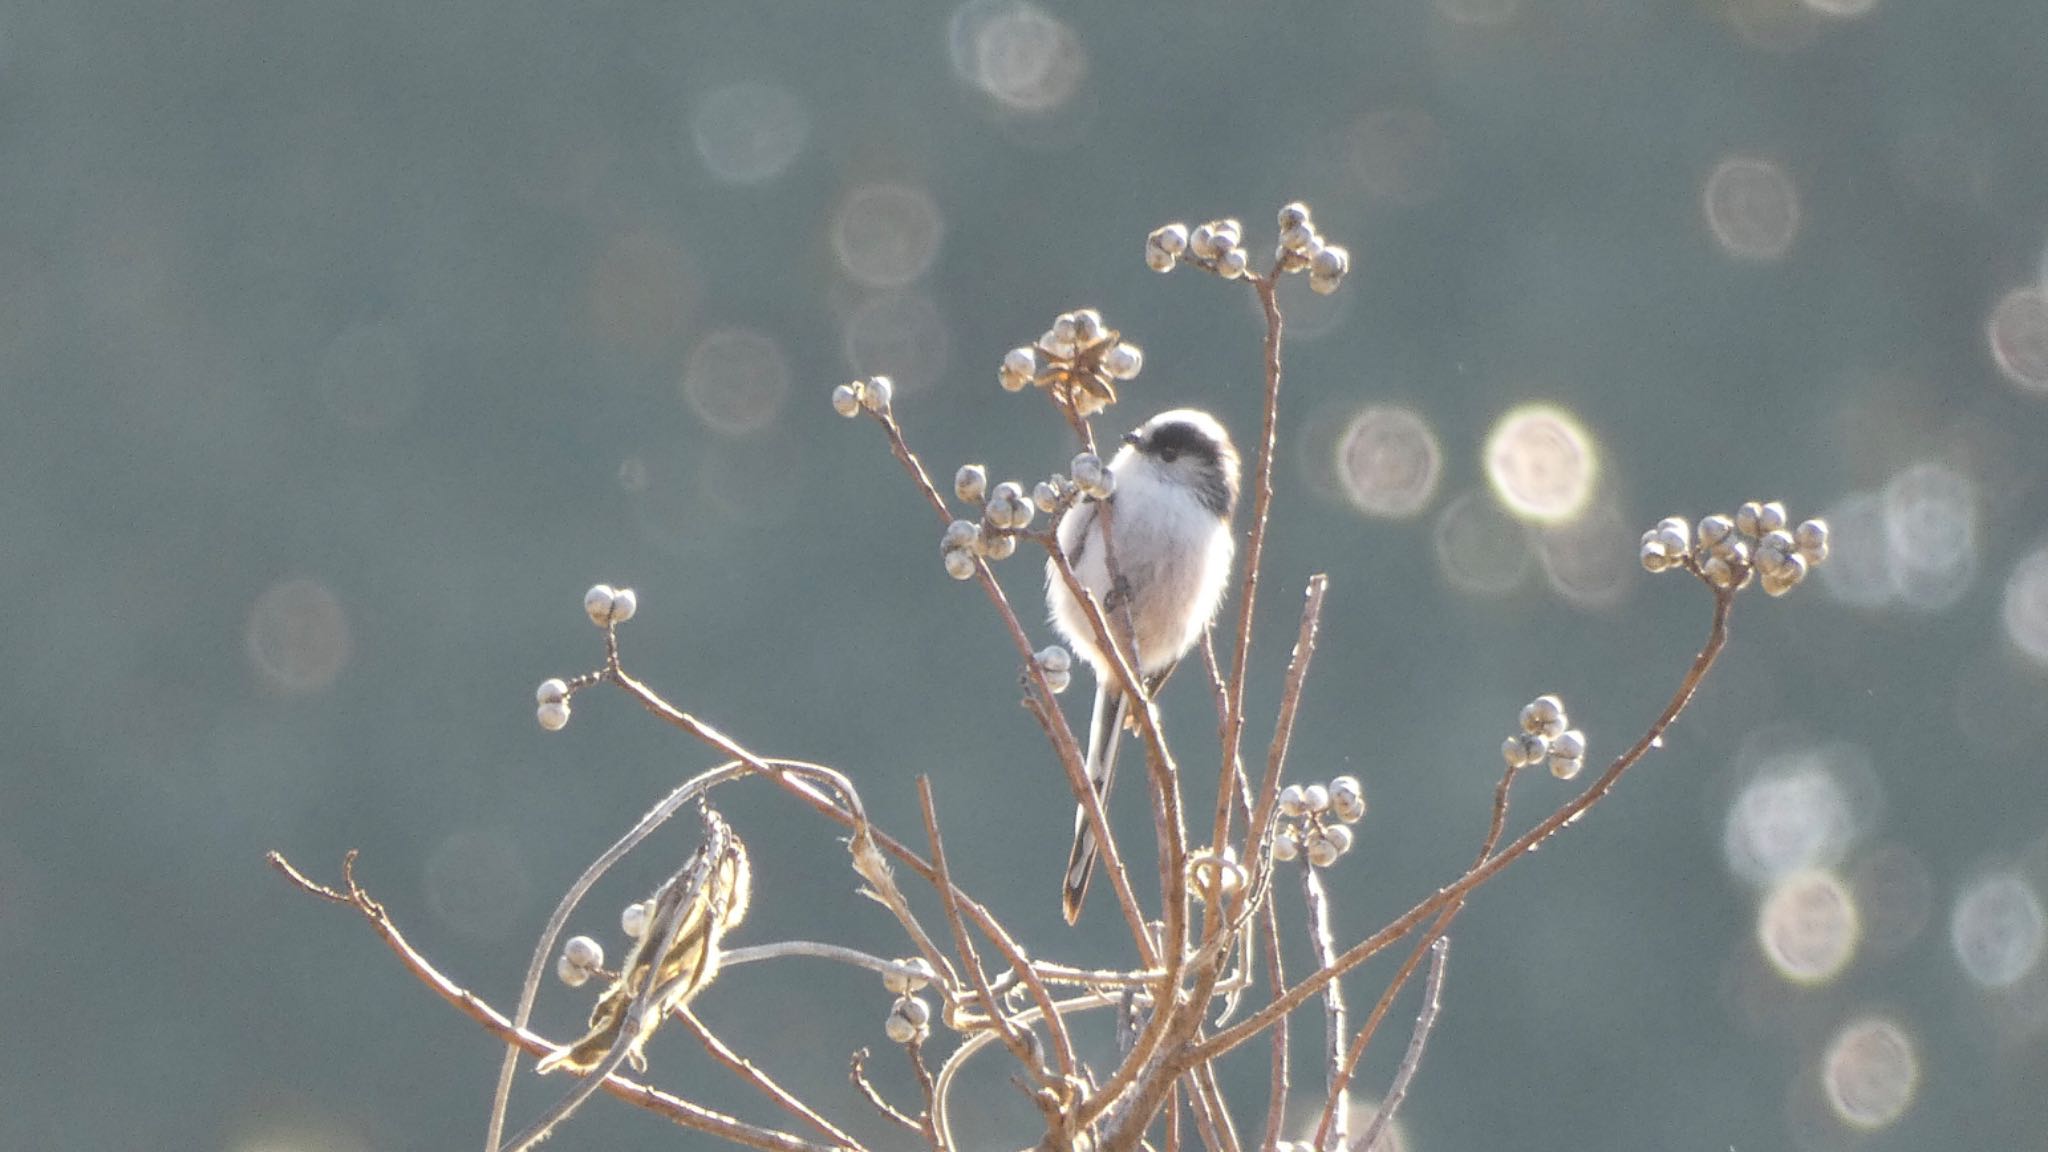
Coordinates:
x,y
1218,246
1758,542
1079,361
1314,820
1546,735
873,394
910,1018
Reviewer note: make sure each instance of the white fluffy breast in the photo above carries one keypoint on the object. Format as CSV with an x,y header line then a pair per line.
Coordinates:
x,y
1172,552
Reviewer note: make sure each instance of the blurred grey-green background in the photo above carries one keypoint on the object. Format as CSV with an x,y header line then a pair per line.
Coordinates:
x,y
344,344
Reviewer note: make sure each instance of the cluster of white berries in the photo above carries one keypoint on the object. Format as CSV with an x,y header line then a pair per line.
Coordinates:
x,y
1004,511
1056,664
910,1018
1079,360
1218,246
1544,736
1092,477
581,959
1314,818
552,700
872,394
1757,541
608,606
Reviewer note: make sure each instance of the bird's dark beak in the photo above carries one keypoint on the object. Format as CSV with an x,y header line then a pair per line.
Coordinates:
x,y
1133,439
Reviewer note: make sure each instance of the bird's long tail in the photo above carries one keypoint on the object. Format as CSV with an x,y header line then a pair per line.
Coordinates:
x,y
1105,732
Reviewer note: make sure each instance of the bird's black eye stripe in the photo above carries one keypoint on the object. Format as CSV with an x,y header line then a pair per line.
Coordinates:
x,y
1170,441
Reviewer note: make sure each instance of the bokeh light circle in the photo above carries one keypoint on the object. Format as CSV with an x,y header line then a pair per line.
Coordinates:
x,y
1930,528
2018,334
1808,927
887,235
1752,208
899,335
1794,814
1997,929
1541,463
1858,571
1870,1073
2025,611
1398,154
476,883
737,381
1479,548
1590,561
749,133
1388,462
1026,58
297,636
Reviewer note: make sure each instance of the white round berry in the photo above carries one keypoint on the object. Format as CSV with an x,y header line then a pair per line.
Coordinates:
x,y
1229,234
910,975
970,483
1020,367
1088,326
1811,538
1331,263
1087,469
1339,837
1123,361
1322,850
1570,744
625,602
1293,215
1770,518
1654,558
878,393
553,715
1747,517
1564,768
1172,238
846,400
1046,496
571,973
1286,846
633,918
1347,799
598,603
1316,797
1054,658
1202,241
960,534
998,547
1293,801
959,563
550,692
1233,263
1158,259
1715,528
909,1019
583,952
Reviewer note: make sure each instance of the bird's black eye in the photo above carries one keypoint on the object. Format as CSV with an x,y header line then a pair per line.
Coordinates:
x,y
1169,455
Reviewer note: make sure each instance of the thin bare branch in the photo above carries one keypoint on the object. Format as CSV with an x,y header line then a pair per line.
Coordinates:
x,y
762,1082
930,1116
1276,1097
1425,1020
858,1073
1329,1136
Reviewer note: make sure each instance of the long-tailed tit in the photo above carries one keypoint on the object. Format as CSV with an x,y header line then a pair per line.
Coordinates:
x,y
1176,487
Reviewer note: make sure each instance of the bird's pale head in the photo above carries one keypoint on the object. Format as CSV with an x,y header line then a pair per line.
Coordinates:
x,y
1190,447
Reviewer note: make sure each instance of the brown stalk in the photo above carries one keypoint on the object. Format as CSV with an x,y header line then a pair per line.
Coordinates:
x,y
857,1072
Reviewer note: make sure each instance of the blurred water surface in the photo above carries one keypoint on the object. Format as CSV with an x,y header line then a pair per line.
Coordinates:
x,y
343,345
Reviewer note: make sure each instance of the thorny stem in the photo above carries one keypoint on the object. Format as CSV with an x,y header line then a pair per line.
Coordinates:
x,y
675,1109
1717,639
